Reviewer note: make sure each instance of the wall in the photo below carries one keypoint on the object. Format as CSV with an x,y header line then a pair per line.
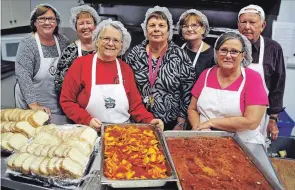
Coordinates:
x,y
287,14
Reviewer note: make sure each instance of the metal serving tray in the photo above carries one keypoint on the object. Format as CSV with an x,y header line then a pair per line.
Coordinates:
x,y
57,181
141,182
255,152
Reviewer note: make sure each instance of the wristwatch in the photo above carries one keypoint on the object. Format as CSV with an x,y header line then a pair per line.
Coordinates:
x,y
274,118
180,124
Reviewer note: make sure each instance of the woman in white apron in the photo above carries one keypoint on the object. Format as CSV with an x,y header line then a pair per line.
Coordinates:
x,y
35,89
232,106
194,27
83,20
101,88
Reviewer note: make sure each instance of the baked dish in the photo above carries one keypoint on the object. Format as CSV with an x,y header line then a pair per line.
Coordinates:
x,y
133,153
214,163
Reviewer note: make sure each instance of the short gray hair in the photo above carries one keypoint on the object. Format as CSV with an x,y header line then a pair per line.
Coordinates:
x,y
126,37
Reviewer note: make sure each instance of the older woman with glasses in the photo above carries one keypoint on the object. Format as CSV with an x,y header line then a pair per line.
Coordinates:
x,y
36,62
163,71
194,27
230,96
100,87
83,20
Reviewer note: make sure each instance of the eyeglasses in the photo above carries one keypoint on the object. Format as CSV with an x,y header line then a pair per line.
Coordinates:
x,y
107,40
43,19
233,53
193,26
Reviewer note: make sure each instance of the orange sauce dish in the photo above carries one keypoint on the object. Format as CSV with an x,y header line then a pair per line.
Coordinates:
x,y
214,163
133,153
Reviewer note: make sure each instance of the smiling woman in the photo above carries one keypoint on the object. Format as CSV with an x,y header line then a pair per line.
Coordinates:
x,y
83,20
100,87
36,61
163,71
194,27
229,96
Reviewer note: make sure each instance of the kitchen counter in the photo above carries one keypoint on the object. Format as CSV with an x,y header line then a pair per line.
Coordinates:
x,y
15,183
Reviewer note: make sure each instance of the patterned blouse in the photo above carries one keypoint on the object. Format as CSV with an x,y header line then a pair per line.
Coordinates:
x,y
173,84
69,54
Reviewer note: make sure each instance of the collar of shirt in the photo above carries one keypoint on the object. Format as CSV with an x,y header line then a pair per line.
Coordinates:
x,y
256,45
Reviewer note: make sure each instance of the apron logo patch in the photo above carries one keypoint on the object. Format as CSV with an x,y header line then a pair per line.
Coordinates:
x,y
109,103
52,70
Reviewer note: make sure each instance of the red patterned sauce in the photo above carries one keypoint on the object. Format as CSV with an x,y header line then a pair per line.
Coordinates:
x,y
214,163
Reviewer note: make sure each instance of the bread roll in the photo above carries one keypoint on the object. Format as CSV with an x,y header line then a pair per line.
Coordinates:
x,y
52,151
29,114
2,126
9,127
23,148
39,149
83,147
66,134
11,160
46,138
34,167
78,157
6,113
18,162
45,150
38,118
59,152
71,168
31,148
13,115
57,167
23,114
88,135
44,166
25,128
46,128
51,165
4,141
17,140
27,163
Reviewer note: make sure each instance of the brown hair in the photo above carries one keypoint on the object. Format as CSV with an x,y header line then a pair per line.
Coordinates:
x,y
186,18
158,15
41,11
84,14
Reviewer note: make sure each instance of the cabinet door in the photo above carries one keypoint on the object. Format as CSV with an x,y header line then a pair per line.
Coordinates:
x,y
6,20
21,10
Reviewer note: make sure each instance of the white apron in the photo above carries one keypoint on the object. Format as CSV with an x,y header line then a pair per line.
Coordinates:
x,y
259,68
43,82
218,103
198,53
78,43
108,102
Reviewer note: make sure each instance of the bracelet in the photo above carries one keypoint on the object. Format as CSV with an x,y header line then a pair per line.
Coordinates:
x,y
180,124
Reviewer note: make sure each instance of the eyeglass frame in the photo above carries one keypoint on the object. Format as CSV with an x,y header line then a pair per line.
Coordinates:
x,y
54,19
109,39
231,52
186,27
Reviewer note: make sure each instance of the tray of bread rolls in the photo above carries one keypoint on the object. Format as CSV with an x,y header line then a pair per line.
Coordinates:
x,y
58,155
18,126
